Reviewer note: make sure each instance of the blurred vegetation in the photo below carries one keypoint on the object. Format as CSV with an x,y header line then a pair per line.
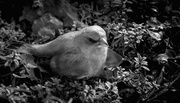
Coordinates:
x,y
145,32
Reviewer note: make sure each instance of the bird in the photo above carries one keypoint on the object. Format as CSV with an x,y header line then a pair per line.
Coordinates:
x,y
77,54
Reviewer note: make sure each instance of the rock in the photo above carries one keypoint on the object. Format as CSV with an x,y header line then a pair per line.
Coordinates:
x,y
46,26
60,9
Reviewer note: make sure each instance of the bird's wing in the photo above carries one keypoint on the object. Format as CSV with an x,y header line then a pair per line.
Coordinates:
x,y
57,46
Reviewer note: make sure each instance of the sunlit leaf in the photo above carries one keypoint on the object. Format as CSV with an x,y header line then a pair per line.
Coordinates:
x,y
146,68
163,57
155,35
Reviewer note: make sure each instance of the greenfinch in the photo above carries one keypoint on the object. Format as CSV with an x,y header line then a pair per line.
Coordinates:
x,y
78,54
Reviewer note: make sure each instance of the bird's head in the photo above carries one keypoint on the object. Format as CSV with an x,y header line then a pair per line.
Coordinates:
x,y
93,36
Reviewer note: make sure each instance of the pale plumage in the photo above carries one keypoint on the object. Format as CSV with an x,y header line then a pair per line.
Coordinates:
x,y
78,54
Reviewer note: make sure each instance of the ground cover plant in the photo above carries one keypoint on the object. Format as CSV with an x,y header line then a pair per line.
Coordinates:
x,y
145,33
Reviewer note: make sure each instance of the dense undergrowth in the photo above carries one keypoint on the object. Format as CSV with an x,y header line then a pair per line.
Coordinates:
x,y
145,33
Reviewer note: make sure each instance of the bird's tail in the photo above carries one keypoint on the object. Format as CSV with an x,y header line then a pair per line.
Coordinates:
x,y
40,50
26,49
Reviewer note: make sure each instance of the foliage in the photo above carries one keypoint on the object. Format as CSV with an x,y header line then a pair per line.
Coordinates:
x,y
135,30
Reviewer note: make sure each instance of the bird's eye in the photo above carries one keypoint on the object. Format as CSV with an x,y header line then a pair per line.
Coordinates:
x,y
92,40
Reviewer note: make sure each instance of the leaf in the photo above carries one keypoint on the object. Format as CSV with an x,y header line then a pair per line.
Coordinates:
x,y
30,65
117,2
14,64
28,60
162,57
155,35
15,44
154,9
146,68
144,63
31,74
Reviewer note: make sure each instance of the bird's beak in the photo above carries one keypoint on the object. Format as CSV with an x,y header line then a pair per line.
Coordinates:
x,y
104,42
